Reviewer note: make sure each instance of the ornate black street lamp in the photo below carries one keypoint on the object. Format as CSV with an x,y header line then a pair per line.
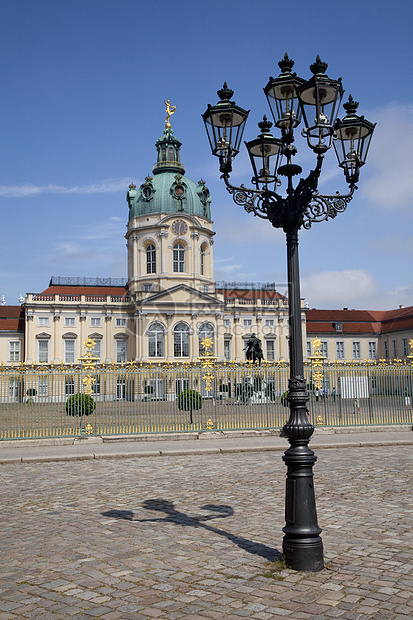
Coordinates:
x,y
316,102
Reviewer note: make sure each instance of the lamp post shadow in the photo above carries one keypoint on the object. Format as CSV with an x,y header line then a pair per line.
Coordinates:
x,y
176,517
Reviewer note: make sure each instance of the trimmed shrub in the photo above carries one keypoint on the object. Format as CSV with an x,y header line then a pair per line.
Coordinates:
x,y
189,400
284,399
80,404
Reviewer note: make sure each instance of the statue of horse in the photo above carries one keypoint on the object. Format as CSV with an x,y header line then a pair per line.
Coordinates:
x,y
254,350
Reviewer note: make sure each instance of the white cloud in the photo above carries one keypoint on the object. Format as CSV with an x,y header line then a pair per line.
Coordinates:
x,y
337,289
353,288
98,187
390,158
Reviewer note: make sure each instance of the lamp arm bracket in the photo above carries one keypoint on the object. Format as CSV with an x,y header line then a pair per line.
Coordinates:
x,y
324,207
244,197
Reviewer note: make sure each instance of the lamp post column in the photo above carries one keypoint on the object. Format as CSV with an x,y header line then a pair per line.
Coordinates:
x,y
302,544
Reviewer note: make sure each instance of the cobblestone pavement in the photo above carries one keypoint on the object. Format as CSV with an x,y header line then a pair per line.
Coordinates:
x,y
199,537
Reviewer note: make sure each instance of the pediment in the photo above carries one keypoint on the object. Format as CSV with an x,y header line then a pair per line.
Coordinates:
x,y
43,336
183,294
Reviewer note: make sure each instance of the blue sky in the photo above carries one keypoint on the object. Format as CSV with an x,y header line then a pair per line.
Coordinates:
x,y
82,90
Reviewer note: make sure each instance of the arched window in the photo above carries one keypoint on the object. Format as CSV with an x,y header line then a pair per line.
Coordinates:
x,y
156,340
179,258
206,330
203,254
150,259
181,340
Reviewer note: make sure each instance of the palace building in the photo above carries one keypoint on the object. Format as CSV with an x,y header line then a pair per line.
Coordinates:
x,y
169,302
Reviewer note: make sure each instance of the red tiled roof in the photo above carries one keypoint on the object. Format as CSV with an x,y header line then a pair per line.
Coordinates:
x,y
398,320
11,318
359,321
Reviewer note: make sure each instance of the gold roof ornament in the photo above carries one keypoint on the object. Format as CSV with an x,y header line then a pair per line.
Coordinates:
x,y
170,109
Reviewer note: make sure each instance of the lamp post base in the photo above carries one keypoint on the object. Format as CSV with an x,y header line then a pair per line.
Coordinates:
x,y
305,554
302,544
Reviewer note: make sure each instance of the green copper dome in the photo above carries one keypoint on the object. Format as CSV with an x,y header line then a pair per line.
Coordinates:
x,y
169,190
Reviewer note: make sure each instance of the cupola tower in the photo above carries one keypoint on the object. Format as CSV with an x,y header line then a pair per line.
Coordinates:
x,y
169,234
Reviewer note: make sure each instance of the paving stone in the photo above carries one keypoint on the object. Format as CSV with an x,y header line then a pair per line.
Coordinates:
x,y
193,536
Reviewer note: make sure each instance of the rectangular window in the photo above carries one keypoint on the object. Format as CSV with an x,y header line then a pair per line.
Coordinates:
x,y
43,321
270,350
338,327
155,343
181,344
356,350
150,259
43,387
324,348
120,322
206,288
43,349
69,385
179,258
247,322
14,351
157,388
308,348
121,350
340,350
394,347
269,322
227,323
372,350
96,351
69,347
96,385
70,321
386,348
95,321
148,287
404,345
227,349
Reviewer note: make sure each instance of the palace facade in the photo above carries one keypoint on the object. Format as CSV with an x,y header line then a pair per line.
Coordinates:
x,y
169,302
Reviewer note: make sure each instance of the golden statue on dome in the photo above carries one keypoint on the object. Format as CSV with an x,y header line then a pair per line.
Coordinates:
x,y
170,109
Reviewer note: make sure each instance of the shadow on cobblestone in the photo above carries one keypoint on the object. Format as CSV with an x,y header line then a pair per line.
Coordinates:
x,y
180,518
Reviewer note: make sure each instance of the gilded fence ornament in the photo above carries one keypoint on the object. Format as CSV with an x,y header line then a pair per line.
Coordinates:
x,y
208,362
317,362
89,362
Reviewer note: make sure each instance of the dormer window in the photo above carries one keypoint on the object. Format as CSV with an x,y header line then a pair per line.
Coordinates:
x,y
147,189
338,327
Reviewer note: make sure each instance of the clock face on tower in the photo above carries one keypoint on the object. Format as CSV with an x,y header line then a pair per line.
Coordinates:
x,y
179,227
